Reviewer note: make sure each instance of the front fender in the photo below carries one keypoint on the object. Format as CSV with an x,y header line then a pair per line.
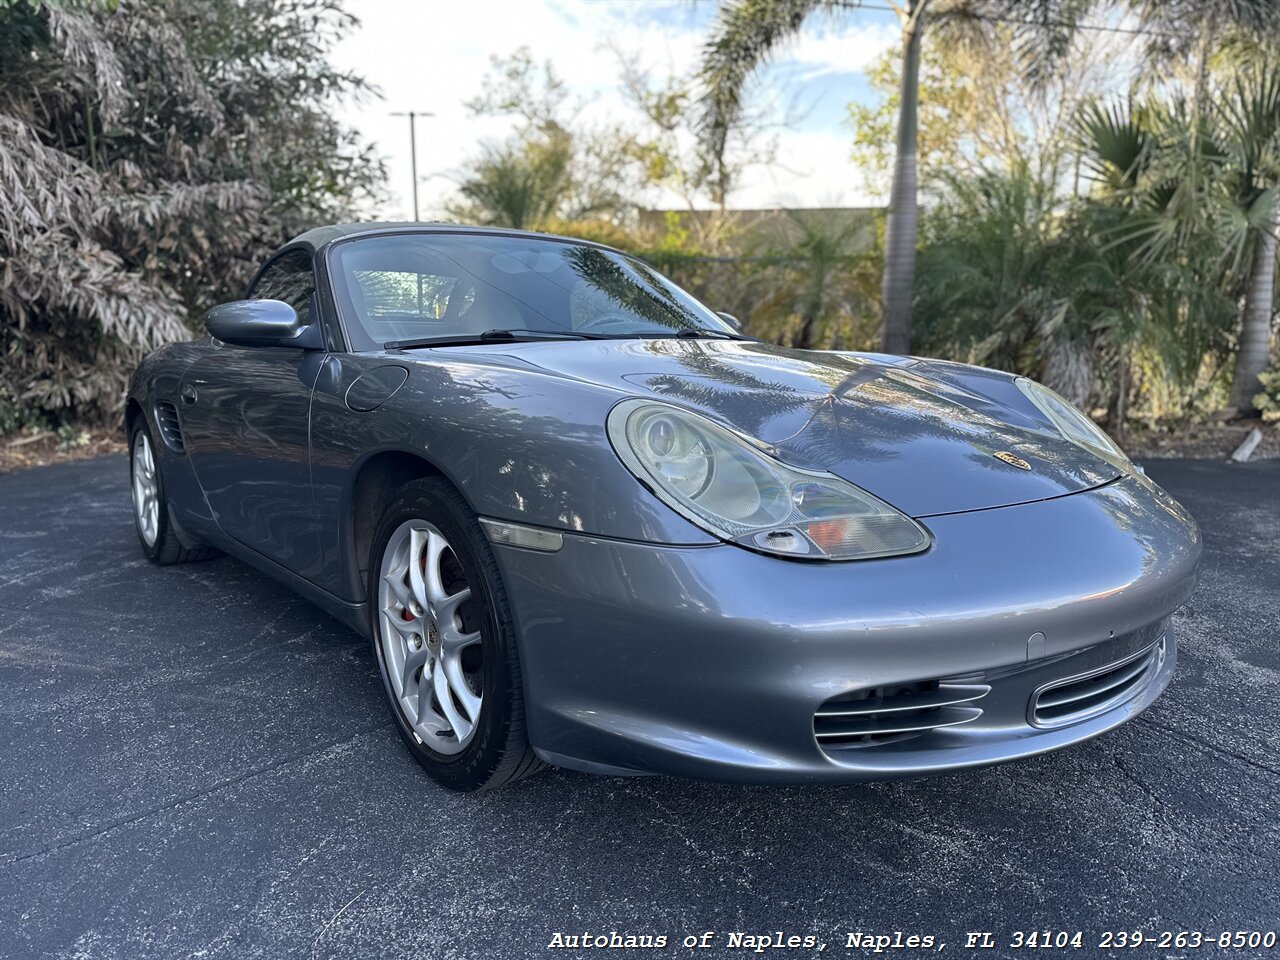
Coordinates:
x,y
159,377
519,445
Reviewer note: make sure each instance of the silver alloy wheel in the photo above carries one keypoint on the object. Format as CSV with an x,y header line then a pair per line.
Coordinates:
x,y
146,492
423,639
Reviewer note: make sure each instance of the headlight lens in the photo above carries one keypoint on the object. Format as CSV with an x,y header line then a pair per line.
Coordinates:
x,y
733,489
1074,425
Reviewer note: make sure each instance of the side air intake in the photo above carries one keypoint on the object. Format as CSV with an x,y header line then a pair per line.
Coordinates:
x,y
170,428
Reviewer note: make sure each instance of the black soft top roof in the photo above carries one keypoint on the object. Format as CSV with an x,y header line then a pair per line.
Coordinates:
x,y
320,237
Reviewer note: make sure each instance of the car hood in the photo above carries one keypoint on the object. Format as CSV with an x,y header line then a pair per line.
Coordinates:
x,y
921,435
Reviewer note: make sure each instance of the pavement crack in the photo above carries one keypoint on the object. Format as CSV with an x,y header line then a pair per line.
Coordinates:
x,y
325,929
1138,782
1210,745
122,822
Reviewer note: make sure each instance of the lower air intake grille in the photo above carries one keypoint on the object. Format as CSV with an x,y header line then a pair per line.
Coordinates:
x,y
895,712
167,421
1079,698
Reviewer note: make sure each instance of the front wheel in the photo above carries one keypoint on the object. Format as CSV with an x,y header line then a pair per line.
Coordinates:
x,y
445,643
159,540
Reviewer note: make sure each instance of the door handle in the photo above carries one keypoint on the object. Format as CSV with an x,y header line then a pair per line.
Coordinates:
x,y
188,394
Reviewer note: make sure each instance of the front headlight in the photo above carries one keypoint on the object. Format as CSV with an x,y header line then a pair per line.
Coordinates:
x,y
729,487
1074,425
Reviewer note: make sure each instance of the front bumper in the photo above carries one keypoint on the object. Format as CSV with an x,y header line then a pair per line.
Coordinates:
x,y
711,661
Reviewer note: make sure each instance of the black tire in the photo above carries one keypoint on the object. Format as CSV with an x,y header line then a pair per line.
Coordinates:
x,y
166,548
498,752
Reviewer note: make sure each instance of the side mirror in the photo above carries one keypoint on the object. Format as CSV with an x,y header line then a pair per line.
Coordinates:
x,y
730,319
261,323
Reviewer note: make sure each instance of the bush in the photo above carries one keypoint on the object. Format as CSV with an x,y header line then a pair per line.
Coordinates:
x,y
1268,401
151,155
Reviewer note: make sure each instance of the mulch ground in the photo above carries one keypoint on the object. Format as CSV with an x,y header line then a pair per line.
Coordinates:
x,y
1202,441
39,450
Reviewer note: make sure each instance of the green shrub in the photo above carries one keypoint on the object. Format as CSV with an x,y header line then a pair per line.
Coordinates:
x,y
1268,401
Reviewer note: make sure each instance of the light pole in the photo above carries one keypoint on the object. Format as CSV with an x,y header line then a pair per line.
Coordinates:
x,y
413,149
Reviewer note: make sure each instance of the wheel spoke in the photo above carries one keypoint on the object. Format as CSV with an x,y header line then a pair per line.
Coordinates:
x,y
446,612
406,628
426,722
454,642
418,541
458,683
408,673
436,546
461,728
395,581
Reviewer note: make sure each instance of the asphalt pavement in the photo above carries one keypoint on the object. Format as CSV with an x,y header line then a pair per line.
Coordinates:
x,y
197,763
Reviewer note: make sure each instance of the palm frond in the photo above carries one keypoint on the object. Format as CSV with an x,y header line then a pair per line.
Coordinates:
x,y
744,36
1114,143
1040,32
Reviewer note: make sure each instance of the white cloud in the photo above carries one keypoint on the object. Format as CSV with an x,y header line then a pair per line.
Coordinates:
x,y
813,170
820,53
432,56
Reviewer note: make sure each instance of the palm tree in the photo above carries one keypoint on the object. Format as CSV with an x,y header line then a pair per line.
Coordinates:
x,y
746,33
828,246
520,184
1249,130
1249,121
1200,185
1010,280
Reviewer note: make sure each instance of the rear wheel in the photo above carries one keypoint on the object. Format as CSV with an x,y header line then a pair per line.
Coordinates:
x,y
445,643
159,540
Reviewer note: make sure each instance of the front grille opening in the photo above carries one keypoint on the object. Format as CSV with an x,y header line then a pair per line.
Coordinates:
x,y
170,428
1079,698
887,714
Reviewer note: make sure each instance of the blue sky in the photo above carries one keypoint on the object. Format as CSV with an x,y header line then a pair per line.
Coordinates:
x,y
825,86
432,54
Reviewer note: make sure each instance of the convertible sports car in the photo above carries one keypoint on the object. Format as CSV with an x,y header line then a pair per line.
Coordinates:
x,y
585,522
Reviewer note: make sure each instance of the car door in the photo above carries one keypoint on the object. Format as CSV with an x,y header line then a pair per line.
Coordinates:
x,y
245,416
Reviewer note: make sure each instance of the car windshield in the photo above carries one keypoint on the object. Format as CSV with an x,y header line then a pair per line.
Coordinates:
x,y
455,286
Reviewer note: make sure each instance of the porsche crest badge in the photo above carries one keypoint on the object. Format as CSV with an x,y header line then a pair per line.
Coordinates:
x,y
1010,459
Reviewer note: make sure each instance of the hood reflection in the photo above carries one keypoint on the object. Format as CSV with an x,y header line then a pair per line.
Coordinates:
x,y
920,434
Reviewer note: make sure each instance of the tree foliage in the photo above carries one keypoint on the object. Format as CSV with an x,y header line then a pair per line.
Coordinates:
x,y
1146,279
558,170
978,114
151,154
1116,248
671,154
551,167
747,33
1200,181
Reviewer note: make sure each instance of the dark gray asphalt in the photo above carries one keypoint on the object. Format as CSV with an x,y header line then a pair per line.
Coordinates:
x,y
196,763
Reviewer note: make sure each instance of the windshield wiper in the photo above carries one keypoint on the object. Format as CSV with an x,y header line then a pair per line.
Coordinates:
x,y
518,335
489,336
695,333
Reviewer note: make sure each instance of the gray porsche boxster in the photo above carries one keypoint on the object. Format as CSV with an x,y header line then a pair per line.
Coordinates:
x,y
586,522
